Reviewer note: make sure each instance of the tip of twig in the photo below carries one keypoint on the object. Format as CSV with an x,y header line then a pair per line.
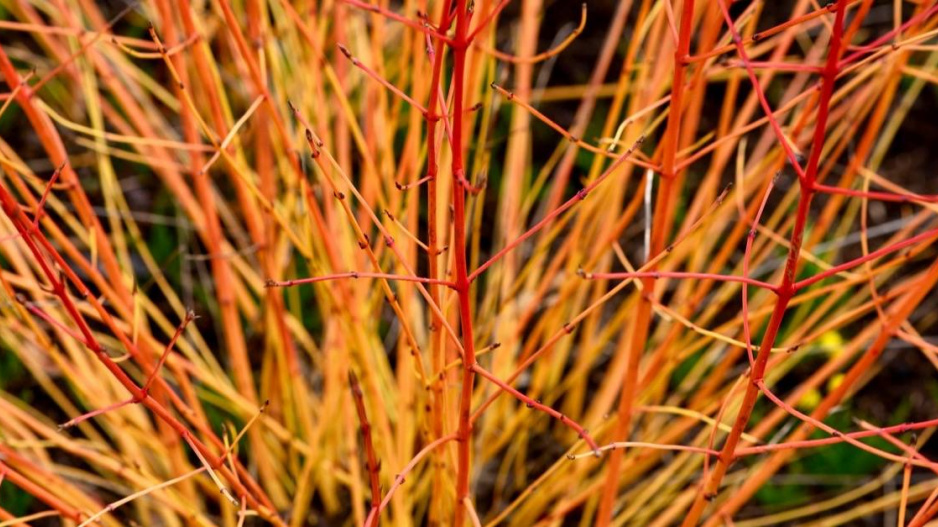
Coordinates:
x,y
724,193
345,51
270,282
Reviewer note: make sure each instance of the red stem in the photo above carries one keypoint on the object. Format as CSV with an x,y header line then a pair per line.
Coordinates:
x,y
384,82
786,289
835,438
402,475
531,403
437,347
40,207
881,196
866,258
54,322
488,18
811,443
674,274
422,27
94,413
464,432
816,423
882,40
190,316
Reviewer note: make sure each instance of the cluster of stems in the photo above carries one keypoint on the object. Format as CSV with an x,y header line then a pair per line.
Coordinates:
x,y
551,283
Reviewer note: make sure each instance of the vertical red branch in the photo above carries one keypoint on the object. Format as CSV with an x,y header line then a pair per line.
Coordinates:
x,y
437,348
459,46
786,289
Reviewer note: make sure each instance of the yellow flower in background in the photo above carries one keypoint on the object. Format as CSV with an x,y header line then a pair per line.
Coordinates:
x,y
835,381
831,342
809,400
